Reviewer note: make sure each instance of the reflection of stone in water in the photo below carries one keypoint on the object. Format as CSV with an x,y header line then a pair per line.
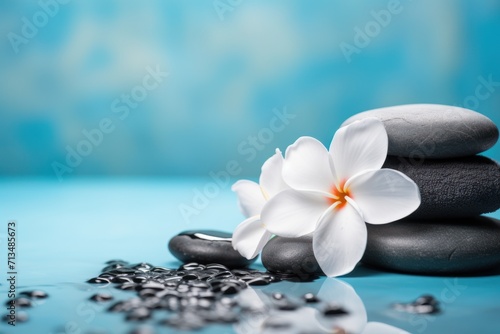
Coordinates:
x,y
425,304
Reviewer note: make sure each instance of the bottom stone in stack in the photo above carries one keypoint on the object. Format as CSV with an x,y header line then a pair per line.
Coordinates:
x,y
455,246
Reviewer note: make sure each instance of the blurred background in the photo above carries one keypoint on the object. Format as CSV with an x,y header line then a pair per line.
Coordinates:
x,y
181,88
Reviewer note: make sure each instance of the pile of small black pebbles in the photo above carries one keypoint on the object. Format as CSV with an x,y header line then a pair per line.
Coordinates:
x,y
197,294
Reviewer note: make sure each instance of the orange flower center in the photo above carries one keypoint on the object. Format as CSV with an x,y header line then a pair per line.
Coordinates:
x,y
339,195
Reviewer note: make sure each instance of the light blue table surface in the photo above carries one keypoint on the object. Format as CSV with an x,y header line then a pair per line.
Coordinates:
x,y
66,231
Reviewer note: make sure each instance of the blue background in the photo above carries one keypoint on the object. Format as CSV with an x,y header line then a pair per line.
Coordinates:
x,y
229,68
230,71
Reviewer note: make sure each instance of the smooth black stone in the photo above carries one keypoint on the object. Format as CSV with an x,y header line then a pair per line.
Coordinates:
x,y
111,262
117,307
139,314
193,246
334,311
139,279
99,280
434,131
454,246
239,273
192,266
122,279
208,235
123,271
19,302
460,187
101,297
19,318
125,305
290,256
426,300
127,286
426,304
230,280
223,274
217,266
189,277
258,281
162,270
230,289
113,266
142,266
310,298
35,294
107,276
151,285
147,293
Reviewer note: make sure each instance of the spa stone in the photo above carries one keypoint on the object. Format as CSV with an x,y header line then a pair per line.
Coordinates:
x,y
453,246
459,187
206,247
290,255
433,131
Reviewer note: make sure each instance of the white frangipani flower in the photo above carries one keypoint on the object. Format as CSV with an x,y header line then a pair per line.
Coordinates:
x,y
334,192
251,235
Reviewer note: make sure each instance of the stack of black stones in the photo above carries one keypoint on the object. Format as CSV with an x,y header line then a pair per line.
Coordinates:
x,y
437,146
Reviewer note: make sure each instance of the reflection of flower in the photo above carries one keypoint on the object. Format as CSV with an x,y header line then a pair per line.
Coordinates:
x,y
251,236
333,193
343,294
260,317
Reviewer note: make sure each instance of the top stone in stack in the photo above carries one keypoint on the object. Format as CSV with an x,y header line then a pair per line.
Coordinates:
x,y
436,146
433,131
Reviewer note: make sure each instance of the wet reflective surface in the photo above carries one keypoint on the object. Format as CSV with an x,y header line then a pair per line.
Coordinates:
x,y
68,231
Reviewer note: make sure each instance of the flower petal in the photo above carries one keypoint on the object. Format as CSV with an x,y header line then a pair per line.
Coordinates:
x,y
307,166
250,237
271,180
384,195
339,240
250,197
292,213
359,146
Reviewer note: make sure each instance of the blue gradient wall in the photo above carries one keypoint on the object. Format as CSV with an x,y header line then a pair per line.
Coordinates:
x,y
186,87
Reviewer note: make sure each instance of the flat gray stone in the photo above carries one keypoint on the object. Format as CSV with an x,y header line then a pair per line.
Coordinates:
x,y
291,256
459,187
207,246
452,246
433,130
